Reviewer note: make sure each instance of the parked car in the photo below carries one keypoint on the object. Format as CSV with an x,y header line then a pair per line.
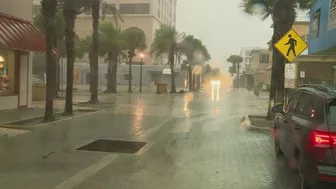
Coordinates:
x,y
305,133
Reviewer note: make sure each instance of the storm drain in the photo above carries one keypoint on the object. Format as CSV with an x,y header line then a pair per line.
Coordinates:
x,y
116,146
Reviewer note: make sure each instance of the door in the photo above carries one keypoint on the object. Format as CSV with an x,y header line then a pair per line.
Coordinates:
x,y
301,122
24,73
284,121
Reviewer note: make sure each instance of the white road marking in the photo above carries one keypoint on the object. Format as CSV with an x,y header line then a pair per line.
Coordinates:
x,y
81,176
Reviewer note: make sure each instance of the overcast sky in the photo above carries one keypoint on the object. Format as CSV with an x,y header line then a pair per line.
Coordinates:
x,y
222,26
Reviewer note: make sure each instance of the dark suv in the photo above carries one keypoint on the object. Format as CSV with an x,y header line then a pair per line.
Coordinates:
x,y
305,132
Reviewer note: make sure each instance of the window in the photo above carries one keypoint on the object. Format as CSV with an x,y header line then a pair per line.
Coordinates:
x,y
140,8
264,58
7,72
292,103
332,113
109,9
305,105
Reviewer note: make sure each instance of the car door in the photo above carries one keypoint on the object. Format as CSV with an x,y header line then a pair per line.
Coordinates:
x,y
284,121
302,120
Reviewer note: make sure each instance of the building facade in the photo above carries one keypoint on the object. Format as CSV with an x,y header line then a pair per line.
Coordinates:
x,y
147,15
18,39
323,28
260,60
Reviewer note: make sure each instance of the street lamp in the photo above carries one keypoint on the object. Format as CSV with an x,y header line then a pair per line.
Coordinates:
x,y
141,56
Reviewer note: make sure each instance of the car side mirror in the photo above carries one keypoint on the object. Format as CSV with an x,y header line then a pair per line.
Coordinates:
x,y
278,108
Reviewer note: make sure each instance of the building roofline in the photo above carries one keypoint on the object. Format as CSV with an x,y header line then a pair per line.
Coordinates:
x,y
296,23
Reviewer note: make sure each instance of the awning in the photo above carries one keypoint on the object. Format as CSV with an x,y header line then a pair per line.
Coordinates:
x,y
20,34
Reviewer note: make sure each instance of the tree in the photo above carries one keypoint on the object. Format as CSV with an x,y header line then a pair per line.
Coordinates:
x,y
70,14
236,61
112,41
93,55
283,13
49,9
196,53
167,42
58,42
135,39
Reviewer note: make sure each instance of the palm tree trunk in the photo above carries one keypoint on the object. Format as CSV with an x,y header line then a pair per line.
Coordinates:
x,y
109,73
114,72
95,5
172,70
49,8
70,18
190,78
57,69
130,71
283,18
238,73
273,88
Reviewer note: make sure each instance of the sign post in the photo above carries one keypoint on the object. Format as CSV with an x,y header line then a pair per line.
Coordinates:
x,y
290,46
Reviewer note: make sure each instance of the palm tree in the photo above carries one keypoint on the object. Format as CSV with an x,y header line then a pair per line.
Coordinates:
x,y
49,9
236,61
167,41
59,33
93,55
112,41
135,39
70,14
196,54
283,13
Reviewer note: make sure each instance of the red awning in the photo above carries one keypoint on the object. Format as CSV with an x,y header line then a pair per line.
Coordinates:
x,y
20,34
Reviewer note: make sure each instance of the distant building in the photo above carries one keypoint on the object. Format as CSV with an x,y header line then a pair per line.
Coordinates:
x,y
147,15
322,38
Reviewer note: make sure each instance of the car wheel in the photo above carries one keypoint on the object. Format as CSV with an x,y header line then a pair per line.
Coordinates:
x,y
278,151
303,181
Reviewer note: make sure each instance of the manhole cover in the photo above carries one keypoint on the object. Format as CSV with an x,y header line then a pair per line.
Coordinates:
x,y
117,146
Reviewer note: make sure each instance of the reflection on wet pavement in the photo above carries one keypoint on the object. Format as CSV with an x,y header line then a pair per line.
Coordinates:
x,y
196,143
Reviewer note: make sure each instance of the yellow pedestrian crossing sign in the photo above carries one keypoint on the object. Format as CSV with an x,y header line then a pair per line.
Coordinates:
x,y
291,45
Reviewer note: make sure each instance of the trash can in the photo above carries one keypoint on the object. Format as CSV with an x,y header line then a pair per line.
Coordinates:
x,y
161,88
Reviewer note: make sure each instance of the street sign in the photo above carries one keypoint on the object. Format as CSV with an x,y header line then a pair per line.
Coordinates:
x,y
290,71
302,74
291,45
290,83
166,71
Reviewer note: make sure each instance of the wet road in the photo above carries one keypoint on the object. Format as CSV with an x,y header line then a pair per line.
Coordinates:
x,y
205,148
194,141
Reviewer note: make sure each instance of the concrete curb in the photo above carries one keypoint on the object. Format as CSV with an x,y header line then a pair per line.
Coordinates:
x,y
246,121
13,125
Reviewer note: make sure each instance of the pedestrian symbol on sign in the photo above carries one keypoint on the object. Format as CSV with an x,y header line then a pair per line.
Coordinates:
x,y
292,44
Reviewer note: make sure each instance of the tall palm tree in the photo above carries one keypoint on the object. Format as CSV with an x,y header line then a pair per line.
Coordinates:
x,y
167,41
236,61
93,55
135,40
70,14
59,33
112,41
283,13
196,54
49,9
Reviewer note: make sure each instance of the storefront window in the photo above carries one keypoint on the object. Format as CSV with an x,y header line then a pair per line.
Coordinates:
x,y
6,74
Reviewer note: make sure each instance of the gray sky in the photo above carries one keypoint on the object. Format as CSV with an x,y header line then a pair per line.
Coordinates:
x,y
222,26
